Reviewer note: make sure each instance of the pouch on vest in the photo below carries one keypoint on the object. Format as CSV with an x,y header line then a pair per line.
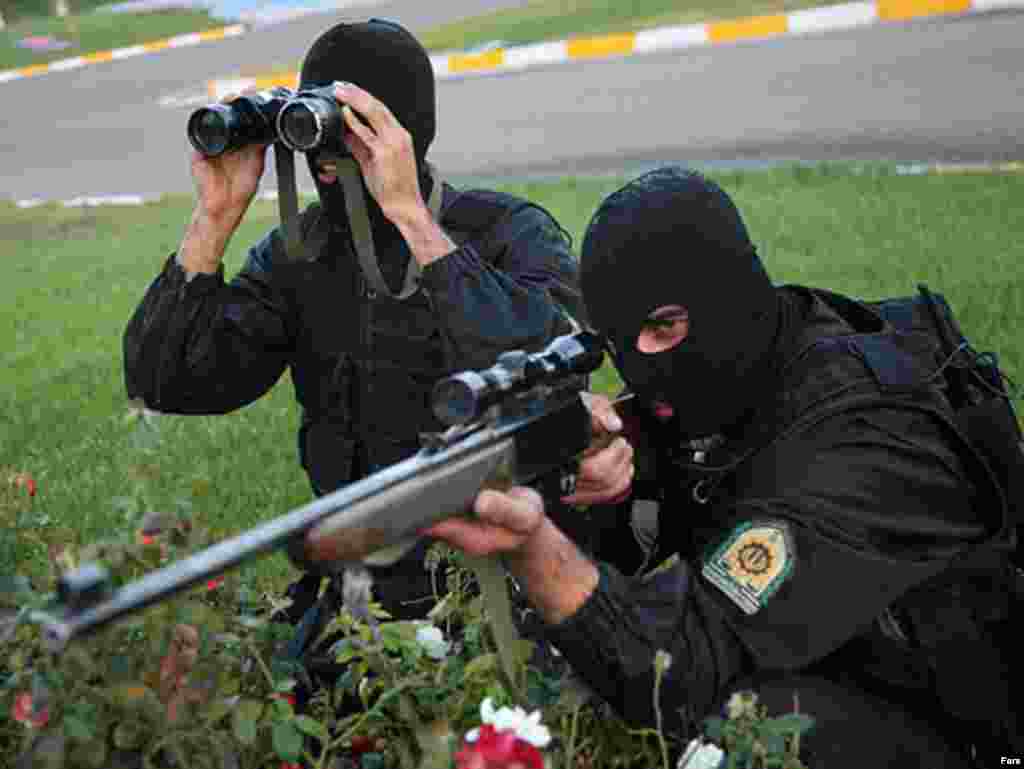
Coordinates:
x,y
977,391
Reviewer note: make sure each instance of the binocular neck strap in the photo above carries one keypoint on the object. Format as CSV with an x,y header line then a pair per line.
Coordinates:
x,y
288,201
362,236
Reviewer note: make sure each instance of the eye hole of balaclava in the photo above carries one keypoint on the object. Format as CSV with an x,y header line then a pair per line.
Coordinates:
x,y
673,237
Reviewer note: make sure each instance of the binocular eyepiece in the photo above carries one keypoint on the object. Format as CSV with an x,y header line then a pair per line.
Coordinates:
x,y
305,121
464,397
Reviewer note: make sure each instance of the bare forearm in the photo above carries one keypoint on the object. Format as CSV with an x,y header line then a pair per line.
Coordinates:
x,y
205,242
555,575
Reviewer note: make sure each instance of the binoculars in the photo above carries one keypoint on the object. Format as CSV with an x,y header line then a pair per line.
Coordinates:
x,y
304,121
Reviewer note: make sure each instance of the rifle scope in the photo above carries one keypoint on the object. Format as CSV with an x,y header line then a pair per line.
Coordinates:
x,y
463,398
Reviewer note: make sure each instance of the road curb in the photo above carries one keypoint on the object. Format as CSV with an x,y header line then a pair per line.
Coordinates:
x,y
518,58
178,41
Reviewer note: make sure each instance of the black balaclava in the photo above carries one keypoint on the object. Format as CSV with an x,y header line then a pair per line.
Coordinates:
x,y
385,60
672,237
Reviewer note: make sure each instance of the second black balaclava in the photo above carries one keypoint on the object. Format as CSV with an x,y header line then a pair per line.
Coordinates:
x,y
672,237
385,60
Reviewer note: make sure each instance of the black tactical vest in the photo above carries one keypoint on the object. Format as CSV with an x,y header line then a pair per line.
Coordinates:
x,y
365,391
939,642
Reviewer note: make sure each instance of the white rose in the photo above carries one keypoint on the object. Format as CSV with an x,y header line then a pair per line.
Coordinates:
x,y
701,755
526,727
432,641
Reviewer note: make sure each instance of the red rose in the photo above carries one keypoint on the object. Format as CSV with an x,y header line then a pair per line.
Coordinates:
x,y
25,481
498,750
23,711
289,698
214,583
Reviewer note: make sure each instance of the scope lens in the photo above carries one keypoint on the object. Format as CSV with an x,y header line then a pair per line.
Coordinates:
x,y
210,131
300,125
458,399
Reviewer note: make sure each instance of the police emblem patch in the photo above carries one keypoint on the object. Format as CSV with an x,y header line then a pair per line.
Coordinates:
x,y
752,563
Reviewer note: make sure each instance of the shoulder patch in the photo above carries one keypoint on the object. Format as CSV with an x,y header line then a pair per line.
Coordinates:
x,y
752,562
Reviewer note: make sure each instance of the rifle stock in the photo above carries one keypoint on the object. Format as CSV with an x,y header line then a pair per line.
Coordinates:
x,y
535,424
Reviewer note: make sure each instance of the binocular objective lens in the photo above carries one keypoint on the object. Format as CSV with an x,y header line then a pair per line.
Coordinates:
x,y
209,132
300,126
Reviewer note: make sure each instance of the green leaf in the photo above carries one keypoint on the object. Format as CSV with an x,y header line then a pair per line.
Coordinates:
x,y
312,727
134,696
522,650
219,708
404,630
92,754
485,663
15,587
76,728
775,744
244,720
789,724
407,711
372,761
285,686
287,741
713,728
226,751
121,666
574,693
128,735
441,609
345,684
346,651
203,616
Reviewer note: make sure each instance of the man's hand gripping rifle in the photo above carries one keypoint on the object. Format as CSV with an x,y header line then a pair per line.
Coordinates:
x,y
511,424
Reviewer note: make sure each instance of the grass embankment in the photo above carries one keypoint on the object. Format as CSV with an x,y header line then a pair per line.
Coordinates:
x,y
560,19
73,277
94,32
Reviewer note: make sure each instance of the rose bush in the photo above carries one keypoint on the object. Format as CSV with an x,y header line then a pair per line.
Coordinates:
x,y
205,680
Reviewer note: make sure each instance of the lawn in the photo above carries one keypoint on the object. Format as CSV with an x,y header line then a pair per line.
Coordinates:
x,y
558,19
93,32
72,278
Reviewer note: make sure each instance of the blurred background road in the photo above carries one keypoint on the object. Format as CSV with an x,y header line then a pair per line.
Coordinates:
x,y
945,89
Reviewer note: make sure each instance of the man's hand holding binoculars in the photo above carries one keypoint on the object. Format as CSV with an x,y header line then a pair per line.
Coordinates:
x,y
230,156
384,150
225,186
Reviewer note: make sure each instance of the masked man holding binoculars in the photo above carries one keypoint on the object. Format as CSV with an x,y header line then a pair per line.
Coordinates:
x,y
385,298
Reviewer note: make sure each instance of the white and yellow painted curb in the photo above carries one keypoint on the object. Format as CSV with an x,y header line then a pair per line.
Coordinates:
x,y
834,17
179,41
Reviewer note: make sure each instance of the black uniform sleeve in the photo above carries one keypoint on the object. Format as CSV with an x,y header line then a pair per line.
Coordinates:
x,y
612,640
520,301
198,345
876,504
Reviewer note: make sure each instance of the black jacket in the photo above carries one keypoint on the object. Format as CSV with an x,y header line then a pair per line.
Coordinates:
x,y
830,527
362,365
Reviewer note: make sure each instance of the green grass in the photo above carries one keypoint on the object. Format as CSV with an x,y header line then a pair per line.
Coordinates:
x,y
558,19
73,277
92,32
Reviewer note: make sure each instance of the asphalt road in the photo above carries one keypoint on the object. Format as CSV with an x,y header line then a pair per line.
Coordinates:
x,y
934,90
